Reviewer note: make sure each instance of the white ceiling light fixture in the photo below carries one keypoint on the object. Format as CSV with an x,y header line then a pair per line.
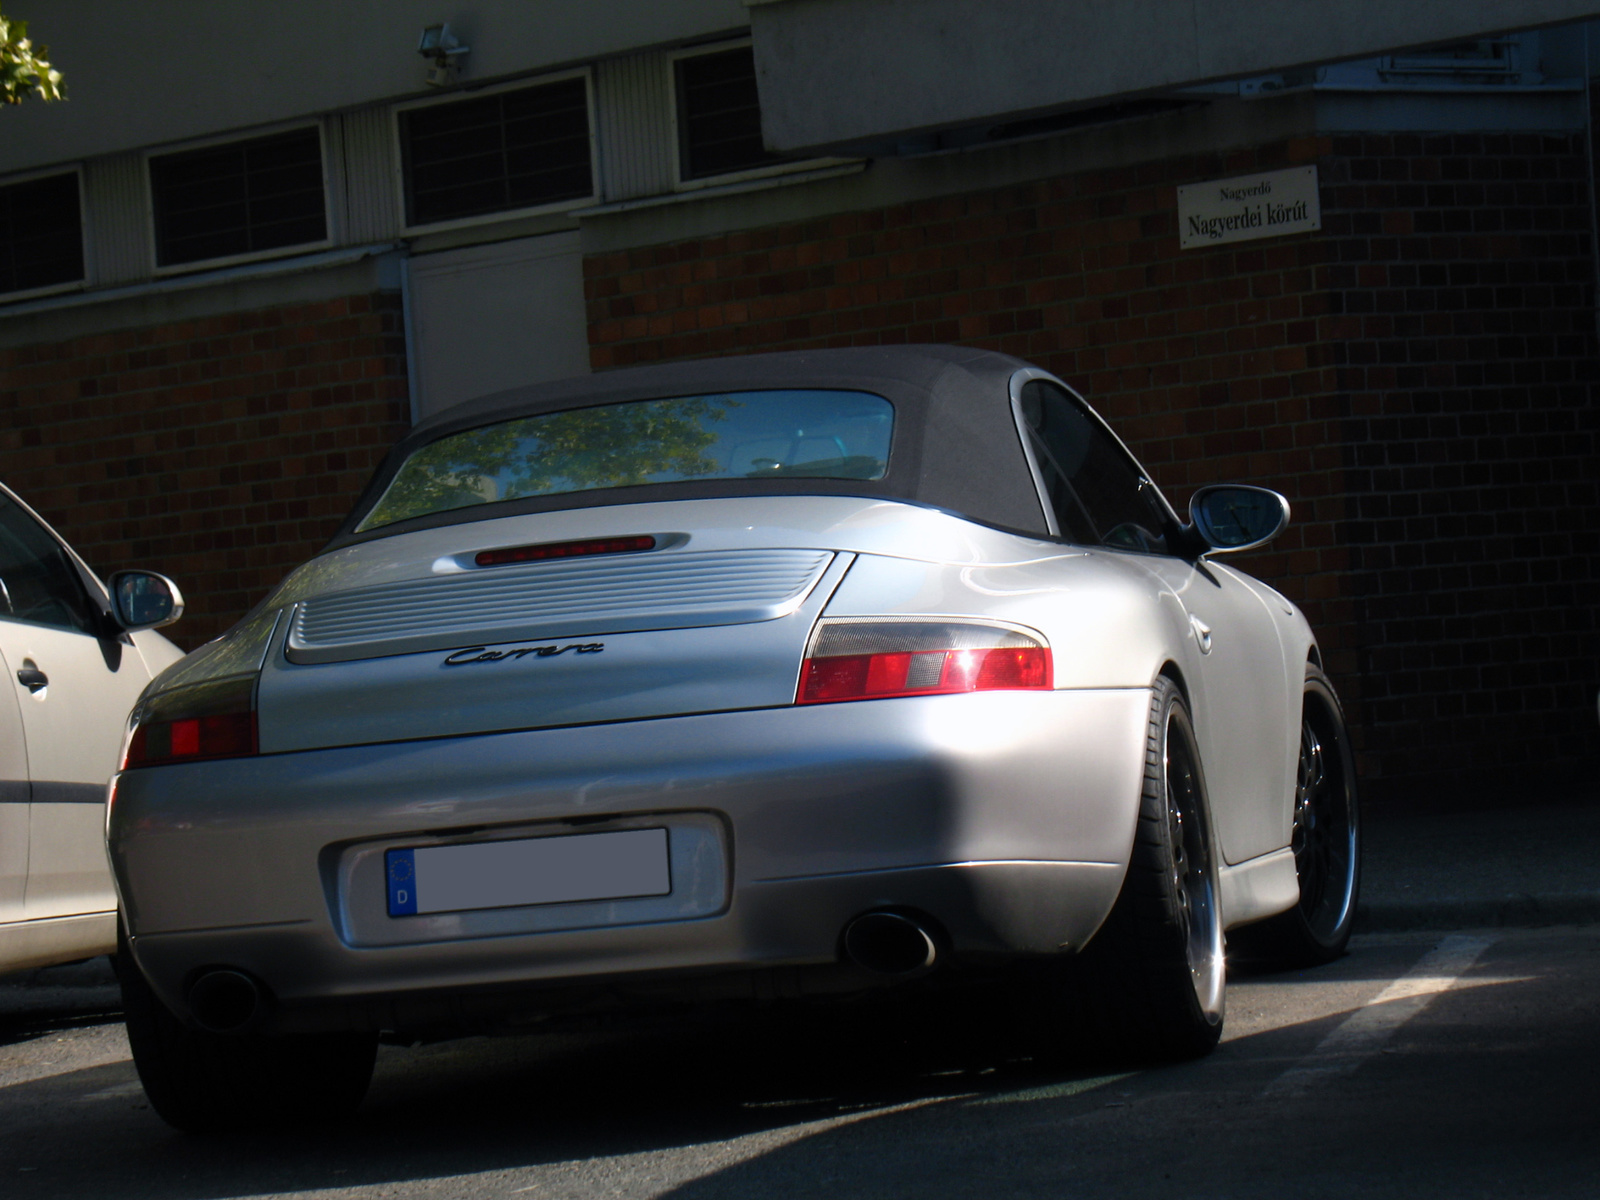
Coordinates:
x,y
440,47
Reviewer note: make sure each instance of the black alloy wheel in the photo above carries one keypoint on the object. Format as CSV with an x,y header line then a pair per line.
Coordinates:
x,y
1326,841
1194,876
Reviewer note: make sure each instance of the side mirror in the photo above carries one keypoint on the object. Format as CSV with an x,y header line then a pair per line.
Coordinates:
x,y
1234,516
144,600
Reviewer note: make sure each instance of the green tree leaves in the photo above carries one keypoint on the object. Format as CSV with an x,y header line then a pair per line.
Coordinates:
x,y
613,445
770,434
23,68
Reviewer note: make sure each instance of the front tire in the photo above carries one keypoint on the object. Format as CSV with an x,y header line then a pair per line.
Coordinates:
x,y
1153,982
203,1082
1326,841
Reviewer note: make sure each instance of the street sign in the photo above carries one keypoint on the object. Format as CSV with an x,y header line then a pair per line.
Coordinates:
x,y
1270,204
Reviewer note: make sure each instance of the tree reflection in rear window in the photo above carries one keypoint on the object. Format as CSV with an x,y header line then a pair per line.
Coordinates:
x,y
800,434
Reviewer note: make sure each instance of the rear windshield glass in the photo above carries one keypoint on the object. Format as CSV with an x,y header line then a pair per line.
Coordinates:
x,y
810,434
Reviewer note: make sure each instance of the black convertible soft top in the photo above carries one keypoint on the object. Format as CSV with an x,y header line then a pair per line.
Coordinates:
x,y
955,446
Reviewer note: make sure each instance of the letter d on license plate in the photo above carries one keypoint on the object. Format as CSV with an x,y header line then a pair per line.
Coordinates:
x,y
545,870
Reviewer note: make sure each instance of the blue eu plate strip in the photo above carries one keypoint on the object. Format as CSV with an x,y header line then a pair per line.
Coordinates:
x,y
402,872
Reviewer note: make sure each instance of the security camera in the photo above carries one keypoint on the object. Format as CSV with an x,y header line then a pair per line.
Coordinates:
x,y
441,48
438,42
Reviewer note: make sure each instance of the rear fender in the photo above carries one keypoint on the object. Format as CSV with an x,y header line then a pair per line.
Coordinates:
x,y
1108,625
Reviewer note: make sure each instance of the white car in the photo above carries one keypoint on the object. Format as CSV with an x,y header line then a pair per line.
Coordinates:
x,y
808,673
75,670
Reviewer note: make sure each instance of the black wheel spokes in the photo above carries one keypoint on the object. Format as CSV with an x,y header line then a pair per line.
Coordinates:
x,y
1322,830
1191,868
1180,857
1309,831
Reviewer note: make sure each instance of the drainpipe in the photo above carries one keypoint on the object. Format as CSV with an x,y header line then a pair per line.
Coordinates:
x,y
1588,147
410,333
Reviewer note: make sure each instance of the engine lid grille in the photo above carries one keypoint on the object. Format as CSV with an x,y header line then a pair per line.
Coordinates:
x,y
555,599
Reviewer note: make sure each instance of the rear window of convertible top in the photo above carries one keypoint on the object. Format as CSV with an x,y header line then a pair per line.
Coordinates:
x,y
797,434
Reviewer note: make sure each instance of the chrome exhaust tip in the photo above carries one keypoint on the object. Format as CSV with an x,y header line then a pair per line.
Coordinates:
x,y
224,1000
890,943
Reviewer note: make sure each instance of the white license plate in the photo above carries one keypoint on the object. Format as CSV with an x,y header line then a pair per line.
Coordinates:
x,y
545,870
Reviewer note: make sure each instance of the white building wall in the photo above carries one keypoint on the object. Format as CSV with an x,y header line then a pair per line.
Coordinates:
x,y
170,70
498,301
852,73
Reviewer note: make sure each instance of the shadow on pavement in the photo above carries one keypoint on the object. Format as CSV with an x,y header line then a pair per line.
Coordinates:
x,y
36,1003
821,1090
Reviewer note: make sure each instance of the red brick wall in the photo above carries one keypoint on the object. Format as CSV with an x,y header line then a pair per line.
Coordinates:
x,y
221,451
1278,362
1461,269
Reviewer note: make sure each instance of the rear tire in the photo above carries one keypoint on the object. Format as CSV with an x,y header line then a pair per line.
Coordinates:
x,y
1152,983
203,1082
1326,840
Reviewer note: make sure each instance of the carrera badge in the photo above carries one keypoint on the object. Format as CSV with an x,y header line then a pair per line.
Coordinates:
x,y
482,654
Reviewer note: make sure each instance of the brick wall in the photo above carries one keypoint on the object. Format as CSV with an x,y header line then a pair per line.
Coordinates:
x,y
1461,269
221,451
1315,365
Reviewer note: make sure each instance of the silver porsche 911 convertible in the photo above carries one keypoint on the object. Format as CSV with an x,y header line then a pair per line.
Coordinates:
x,y
794,674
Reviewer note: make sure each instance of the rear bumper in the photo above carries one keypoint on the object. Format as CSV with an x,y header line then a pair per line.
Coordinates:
x,y
1004,816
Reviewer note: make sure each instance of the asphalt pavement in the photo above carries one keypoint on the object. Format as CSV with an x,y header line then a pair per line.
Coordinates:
x,y
1520,865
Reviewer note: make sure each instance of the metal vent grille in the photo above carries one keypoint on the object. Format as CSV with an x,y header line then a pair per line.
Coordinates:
x,y
560,599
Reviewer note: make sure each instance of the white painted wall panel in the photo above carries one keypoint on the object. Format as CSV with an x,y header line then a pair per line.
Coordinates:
x,y
492,317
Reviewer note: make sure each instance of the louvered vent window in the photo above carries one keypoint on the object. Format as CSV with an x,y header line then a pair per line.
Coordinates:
x,y
41,239
240,198
719,115
517,149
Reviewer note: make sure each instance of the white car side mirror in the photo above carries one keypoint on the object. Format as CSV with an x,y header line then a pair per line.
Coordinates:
x,y
144,600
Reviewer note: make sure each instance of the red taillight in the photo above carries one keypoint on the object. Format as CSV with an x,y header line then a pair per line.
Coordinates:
x,y
517,554
865,659
215,719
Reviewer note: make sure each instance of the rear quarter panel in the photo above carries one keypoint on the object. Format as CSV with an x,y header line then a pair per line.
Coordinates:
x,y
1109,625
